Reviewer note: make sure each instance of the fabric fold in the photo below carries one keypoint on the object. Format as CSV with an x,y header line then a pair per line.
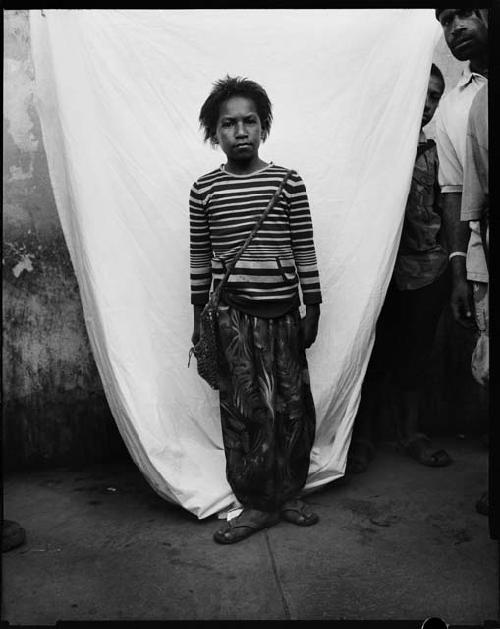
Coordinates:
x,y
118,95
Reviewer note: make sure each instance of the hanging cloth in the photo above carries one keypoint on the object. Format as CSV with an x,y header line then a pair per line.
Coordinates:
x,y
118,95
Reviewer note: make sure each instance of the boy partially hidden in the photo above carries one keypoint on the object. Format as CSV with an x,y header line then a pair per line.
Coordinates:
x,y
415,299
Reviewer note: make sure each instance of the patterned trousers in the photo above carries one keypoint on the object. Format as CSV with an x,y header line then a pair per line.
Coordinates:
x,y
267,411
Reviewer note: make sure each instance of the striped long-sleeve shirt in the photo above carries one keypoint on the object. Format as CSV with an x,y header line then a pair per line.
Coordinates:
x,y
223,210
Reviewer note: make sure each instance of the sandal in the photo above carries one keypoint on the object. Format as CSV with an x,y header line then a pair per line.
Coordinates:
x,y
482,505
238,529
297,512
13,535
418,447
361,452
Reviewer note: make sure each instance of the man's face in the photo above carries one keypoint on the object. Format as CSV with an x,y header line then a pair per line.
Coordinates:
x,y
465,32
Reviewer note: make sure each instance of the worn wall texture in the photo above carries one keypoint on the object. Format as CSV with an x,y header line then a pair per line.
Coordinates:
x,y
55,411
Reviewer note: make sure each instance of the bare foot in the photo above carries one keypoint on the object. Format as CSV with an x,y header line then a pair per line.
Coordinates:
x,y
419,448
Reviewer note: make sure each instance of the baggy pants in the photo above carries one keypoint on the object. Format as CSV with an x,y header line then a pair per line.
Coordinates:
x,y
267,411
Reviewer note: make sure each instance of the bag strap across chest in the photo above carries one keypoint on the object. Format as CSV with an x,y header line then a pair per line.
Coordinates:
x,y
250,236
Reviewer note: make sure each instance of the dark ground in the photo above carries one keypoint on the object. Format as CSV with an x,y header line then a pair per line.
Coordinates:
x,y
400,542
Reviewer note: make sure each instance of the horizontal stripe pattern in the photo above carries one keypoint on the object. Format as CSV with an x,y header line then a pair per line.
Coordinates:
x,y
224,209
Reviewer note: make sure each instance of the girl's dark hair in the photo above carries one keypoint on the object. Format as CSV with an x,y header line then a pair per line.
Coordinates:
x,y
435,71
229,87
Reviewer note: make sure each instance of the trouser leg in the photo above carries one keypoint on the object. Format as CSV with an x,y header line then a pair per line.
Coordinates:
x,y
267,411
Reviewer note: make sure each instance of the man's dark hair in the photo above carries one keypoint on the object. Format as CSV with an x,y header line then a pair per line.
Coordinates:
x,y
476,11
435,71
226,88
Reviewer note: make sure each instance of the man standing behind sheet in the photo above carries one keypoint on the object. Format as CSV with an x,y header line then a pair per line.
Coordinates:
x,y
466,34
475,197
475,207
406,327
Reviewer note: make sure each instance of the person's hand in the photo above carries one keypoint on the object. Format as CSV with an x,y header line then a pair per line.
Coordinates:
x,y
195,337
309,324
462,304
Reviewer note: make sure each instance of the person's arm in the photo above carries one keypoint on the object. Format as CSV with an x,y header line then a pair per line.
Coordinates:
x,y
301,233
200,258
475,199
195,337
457,235
310,323
483,227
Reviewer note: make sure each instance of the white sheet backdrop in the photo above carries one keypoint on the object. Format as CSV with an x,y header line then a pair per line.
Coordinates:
x,y
118,94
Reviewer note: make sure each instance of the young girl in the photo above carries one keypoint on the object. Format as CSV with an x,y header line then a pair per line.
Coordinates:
x,y
267,412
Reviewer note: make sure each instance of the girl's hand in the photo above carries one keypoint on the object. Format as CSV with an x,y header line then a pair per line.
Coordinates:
x,y
309,325
195,337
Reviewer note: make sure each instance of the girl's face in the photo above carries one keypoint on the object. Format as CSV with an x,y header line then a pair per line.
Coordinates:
x,y
239,132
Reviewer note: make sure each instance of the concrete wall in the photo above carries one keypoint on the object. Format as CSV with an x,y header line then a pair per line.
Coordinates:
x,y
54,408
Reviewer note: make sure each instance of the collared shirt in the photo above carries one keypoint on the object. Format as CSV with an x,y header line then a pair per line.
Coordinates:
x,y
475,190
421,259
451,134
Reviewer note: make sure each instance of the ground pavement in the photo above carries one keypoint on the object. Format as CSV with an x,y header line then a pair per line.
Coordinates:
x,y
399,542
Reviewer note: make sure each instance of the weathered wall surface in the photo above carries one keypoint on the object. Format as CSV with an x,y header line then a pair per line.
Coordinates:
x,y
54,407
